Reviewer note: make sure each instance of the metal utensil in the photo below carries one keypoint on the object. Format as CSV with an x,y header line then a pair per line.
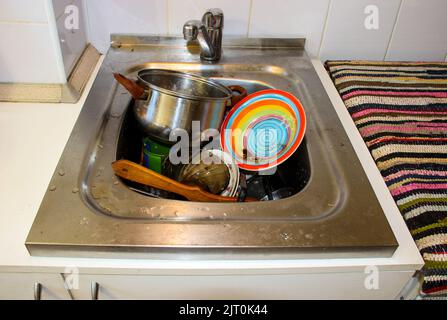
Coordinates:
x,y
175,99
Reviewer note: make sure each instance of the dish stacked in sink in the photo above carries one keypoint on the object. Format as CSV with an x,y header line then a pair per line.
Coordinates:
x,y
258,133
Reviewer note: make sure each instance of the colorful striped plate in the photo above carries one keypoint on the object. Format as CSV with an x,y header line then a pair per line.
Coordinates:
x,y
263,130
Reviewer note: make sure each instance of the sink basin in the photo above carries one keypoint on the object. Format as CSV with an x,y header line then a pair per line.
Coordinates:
x,y
112,196
332,213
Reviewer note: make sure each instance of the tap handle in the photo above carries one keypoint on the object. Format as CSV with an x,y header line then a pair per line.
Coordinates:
x,y
213,18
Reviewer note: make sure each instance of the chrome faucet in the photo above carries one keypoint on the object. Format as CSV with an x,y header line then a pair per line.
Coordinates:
x,y
208,32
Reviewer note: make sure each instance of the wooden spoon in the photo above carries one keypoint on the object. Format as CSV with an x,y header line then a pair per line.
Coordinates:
x,y
134,89
134,172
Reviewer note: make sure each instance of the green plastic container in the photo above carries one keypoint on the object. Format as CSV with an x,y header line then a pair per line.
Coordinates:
x,y
154,154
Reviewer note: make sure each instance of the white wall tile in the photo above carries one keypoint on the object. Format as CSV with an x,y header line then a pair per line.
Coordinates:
x,y
72,41
346,36
30,55
420,32
130,16
23,10
236,14
290,18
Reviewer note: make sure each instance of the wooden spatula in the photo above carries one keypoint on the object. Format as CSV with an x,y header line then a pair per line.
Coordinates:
x,y
134,172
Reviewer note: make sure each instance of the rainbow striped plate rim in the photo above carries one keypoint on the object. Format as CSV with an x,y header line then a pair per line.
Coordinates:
x,y
263,130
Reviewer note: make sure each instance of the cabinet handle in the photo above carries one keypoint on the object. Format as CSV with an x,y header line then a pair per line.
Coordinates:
x,y
94,290
37,291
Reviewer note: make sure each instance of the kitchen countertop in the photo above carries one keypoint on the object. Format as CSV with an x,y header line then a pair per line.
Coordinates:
x,y
32,138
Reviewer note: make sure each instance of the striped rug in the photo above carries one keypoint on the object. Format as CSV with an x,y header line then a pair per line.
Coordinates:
x,y
400,110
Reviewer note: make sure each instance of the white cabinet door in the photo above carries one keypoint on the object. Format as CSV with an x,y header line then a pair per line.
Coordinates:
x,y
15,286
296,286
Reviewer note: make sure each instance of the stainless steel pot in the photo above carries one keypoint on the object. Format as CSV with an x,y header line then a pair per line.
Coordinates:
x,y
174,99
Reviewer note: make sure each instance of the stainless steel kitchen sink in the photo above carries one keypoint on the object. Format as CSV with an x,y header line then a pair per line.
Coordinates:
x,y
88,211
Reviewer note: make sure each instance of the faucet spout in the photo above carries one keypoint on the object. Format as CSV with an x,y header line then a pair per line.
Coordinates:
x,y
196,30
208,33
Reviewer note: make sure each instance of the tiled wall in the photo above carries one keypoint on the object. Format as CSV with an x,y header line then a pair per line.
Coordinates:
x,y
29,51
37,48
36,45
334,29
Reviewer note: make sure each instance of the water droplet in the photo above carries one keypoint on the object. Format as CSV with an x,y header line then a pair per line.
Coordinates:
x,y
52,188
83,221
75,190
115,182
225,214
285,236
100,170
309,236
100,146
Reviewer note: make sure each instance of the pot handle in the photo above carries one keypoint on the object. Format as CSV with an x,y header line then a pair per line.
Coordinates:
x,y
242,93
134,89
